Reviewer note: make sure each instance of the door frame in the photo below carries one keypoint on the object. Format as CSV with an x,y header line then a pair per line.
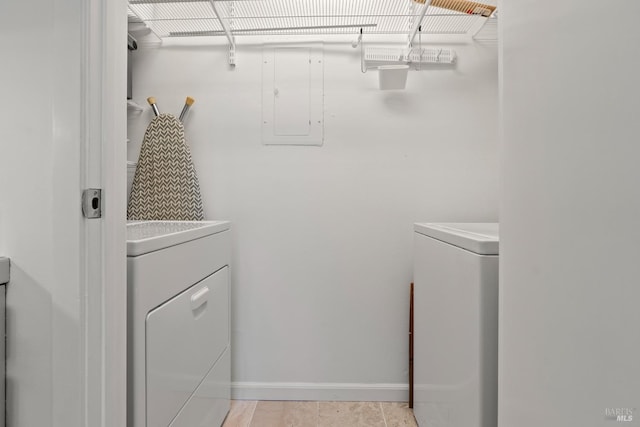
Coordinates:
x,y
104,325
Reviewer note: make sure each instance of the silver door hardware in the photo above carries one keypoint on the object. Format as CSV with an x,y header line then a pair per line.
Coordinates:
x,y
92,203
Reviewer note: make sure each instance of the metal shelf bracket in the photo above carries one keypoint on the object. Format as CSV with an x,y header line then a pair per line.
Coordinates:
x,y
232,55
224,21
418,23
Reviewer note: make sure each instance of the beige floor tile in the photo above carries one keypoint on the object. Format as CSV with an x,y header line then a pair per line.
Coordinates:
x,y
240,413
398,414
285,414
350,414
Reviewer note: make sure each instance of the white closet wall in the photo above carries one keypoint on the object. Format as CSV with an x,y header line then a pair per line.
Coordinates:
x,y
322,238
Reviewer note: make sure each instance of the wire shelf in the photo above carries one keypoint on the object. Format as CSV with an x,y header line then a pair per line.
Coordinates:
x,y
377,56
298,17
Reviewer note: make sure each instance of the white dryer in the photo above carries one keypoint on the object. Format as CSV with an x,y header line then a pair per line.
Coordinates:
x,y
456,325
178,323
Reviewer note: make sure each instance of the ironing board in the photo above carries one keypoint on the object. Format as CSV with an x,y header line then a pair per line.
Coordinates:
x,y
165,185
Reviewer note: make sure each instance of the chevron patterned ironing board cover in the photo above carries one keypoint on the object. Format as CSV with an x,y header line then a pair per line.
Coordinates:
x,y
165,185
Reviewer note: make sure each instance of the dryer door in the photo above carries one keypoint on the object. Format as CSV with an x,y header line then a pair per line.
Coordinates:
x,y
185,336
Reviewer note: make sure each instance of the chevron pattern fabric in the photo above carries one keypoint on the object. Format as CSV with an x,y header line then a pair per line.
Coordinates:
x,y
165,185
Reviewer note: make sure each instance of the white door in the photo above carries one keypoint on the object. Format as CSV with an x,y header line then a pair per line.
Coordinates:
x,y
570,219
62,129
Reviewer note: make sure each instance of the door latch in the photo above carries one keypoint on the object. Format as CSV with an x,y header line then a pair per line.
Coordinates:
x,y
92,203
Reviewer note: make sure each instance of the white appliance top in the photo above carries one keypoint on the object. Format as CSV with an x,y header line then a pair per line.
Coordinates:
x,y
4,270
478,237
148,236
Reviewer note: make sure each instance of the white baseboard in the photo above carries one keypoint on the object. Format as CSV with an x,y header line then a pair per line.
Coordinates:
x,y
354,392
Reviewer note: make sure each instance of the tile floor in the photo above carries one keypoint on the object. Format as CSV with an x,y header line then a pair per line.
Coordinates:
x,y
245,413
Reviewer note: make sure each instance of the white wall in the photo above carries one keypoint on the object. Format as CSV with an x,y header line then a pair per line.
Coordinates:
x,y
570,216
323,236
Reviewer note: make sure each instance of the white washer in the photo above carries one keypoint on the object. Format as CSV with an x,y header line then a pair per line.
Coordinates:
x,y
179,371
456,325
